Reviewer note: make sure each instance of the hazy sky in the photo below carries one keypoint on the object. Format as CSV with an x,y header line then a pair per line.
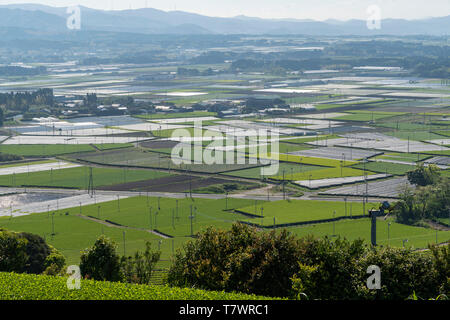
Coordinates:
x,y
300,9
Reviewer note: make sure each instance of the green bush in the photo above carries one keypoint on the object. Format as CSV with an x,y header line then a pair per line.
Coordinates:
x,y
101,262
13,252
424,176
276,264
429,202
138,269
241,259
402,273
37,250
327,268
337,270
27,253
54,262
441,261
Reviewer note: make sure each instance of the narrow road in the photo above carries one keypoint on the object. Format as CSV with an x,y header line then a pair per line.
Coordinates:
x,y
250,195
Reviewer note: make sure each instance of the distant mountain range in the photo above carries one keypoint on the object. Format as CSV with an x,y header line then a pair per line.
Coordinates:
x,y
42,19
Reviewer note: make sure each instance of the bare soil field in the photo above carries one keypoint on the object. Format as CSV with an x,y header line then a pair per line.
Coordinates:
x,y
178,183
159,144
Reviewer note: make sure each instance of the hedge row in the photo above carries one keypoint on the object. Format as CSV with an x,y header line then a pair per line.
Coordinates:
x,y
37,287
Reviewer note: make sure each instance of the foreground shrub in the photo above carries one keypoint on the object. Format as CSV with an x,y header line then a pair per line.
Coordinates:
x,y
101,262
28,253
139,268
13,252
402,273
241,259
54,262
38,251
441,261
327,268
338,271
277,264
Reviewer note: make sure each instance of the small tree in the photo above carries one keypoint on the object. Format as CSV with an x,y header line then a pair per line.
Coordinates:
x,y
13,252
327,268
101,262
403,272
441,260
139,269
241,259
54,263
424,176
37,251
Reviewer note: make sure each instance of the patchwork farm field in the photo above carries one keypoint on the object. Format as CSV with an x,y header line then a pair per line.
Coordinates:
x,y
175,183
134,157
44,150
298,211
290,169
323,174
415,135
386,167
73,234
77,228
330,168
406,157
416,237
154,117
314,146
367,116
78,178
130,221
306,160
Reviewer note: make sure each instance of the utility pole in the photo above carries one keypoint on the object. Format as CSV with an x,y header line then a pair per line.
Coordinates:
x,y
150,216
190,184
91,190
408,144
373,233
173,218
262,216
226,200
53,224
345,200
124,250
334,223
389,233
284,185
366,191
191,217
